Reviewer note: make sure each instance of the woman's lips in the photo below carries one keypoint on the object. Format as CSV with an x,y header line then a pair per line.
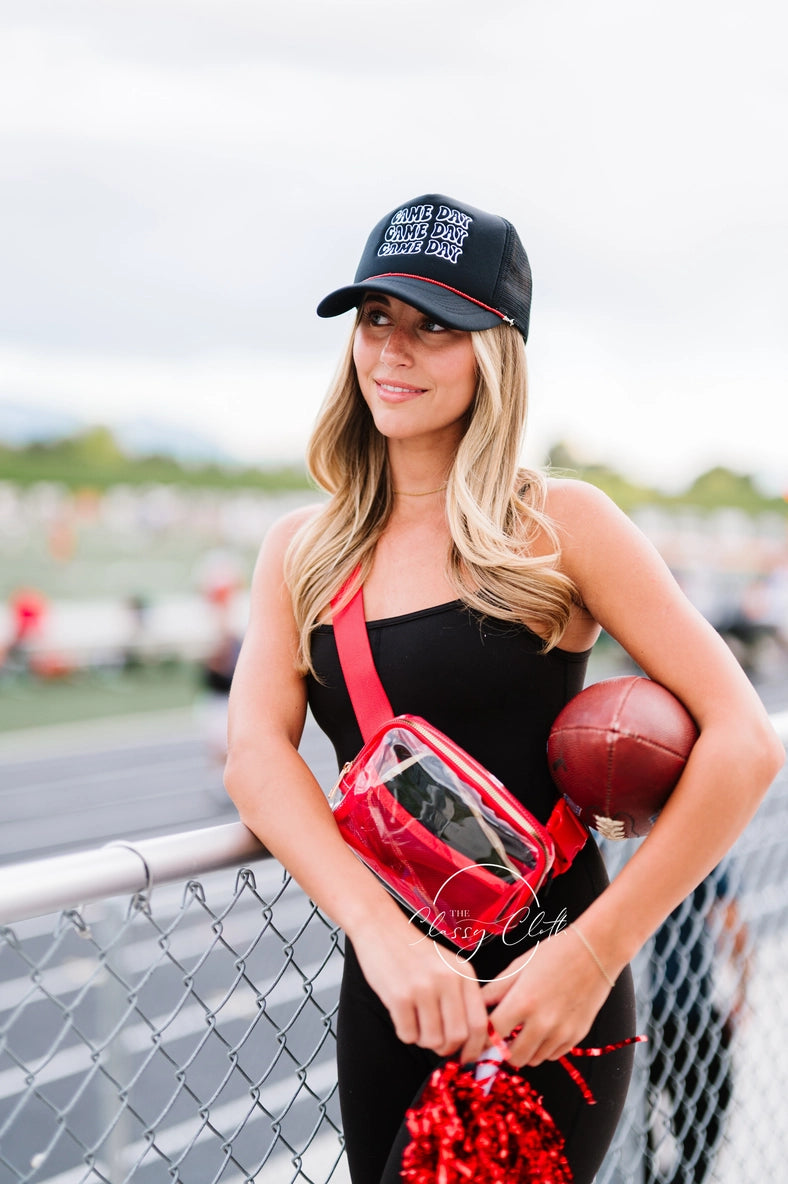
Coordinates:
x,y
397,392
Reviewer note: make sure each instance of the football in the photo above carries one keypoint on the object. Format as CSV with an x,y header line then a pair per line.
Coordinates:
x,y
616,751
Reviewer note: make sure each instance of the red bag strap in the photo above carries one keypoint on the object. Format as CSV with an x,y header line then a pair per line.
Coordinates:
x,y
370,702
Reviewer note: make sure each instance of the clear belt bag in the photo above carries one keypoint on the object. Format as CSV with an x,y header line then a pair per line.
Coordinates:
x,y
438,829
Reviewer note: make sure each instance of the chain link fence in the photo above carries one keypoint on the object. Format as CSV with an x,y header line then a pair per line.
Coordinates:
x,y
187,1033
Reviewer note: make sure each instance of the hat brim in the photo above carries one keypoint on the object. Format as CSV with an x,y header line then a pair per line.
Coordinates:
x,y
448,308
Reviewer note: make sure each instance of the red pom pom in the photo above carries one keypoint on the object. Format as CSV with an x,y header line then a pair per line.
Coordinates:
x,y
464,1132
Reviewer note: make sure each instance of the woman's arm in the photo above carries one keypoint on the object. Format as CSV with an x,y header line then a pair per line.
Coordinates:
x,y
626,587
279,799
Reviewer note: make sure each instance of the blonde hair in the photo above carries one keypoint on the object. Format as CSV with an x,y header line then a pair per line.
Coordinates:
x,y
493,507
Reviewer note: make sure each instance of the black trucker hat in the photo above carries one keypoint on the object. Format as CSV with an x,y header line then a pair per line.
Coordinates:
x,y
466,268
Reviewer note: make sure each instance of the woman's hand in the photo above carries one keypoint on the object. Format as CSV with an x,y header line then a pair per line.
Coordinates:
x,y
431,1003
554,991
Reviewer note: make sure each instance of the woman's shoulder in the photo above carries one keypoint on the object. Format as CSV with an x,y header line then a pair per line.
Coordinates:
x,y
281,533
569,500
594,534
586,521
271,560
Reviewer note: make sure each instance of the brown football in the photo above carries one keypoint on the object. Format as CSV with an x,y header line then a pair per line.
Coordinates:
x,y
617,750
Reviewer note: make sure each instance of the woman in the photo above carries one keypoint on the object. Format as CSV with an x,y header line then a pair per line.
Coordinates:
x,y
485,587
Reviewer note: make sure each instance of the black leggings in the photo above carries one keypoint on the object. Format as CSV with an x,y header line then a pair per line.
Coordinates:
x,y
380,1077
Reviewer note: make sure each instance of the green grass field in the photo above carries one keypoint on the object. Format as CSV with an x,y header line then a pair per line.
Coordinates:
x,y
27,702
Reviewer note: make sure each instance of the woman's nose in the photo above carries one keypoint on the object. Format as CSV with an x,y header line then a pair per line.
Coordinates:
x,y
396,347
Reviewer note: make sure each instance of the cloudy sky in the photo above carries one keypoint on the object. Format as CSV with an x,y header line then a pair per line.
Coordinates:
x,y
182,180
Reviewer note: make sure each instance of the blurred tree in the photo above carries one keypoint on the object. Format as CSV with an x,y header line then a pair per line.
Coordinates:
x,y
95,446
94,458
627,494
723,487
717,487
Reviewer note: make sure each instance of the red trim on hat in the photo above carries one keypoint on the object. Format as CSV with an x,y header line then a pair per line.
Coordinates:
x,y
405,275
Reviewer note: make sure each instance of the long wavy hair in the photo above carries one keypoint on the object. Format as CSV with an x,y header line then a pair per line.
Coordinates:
x,y
493,507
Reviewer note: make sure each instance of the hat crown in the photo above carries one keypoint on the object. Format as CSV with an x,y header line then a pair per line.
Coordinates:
x,y
447,257
432,228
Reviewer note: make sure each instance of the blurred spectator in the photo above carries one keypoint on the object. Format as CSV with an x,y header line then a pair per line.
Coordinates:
x,y
28,610
62,538
138,607
221,581
216,676
758,622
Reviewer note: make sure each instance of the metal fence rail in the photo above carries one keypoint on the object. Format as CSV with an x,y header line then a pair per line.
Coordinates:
x,y
176,1028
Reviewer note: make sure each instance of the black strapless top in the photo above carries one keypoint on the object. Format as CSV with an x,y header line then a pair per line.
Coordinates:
x,y
484,682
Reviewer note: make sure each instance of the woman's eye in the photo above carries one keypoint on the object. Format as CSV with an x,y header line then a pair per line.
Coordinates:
x,y
375,316
434,327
